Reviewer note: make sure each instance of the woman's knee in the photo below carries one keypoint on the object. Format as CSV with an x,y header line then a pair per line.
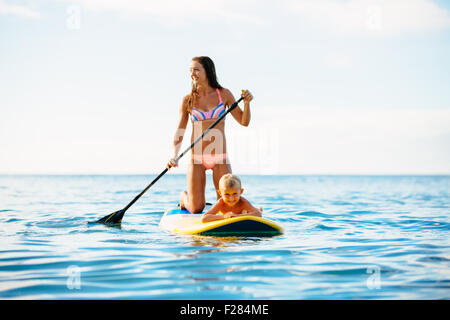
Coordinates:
x,y
195,209
193,205
197,206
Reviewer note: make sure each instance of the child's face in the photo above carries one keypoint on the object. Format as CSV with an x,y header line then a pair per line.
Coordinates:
x,y
231,196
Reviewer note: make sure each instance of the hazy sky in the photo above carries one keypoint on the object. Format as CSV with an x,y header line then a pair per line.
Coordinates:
x,y
340,87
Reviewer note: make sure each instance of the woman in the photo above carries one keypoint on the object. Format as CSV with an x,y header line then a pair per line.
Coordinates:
x,y
205,103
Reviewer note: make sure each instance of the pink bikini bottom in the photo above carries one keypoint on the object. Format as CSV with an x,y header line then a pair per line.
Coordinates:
x,y
210,160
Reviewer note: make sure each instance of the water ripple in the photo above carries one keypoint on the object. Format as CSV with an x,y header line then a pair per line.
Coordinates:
x,y
347,237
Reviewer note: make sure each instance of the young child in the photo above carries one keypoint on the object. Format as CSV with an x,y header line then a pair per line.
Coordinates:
x,y
231,204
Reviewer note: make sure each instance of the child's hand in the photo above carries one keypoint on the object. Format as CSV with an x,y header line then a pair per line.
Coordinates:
x,y
230,215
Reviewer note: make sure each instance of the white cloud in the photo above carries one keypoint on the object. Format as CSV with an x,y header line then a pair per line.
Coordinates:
x,y
376,17
176,11
18,10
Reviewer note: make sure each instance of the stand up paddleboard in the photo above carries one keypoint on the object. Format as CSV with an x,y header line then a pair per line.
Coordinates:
x,y
183,222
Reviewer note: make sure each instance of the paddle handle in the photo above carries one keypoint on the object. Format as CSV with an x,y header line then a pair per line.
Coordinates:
x,y
233,105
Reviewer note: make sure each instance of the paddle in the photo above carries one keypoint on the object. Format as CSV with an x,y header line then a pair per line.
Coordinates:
x,y
116,217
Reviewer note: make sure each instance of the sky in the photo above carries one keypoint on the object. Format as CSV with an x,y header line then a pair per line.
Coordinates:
x,y
340,87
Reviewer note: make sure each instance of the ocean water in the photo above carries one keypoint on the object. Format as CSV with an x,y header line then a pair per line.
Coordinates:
x,y
346,237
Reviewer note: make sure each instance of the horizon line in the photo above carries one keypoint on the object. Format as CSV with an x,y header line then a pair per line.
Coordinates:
x,y
242,174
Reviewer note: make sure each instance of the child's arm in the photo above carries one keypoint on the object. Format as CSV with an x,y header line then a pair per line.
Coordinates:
x,y
213,213
249,210
246,210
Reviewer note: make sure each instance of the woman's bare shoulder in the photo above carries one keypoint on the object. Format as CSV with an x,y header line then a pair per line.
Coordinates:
x,y
227,96
184,103
186,99
225,92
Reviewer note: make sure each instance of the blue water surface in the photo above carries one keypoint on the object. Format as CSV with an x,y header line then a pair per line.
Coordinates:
x,y
346,237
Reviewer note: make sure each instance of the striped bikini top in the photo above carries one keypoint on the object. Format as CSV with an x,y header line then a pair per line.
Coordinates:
x,y
215,113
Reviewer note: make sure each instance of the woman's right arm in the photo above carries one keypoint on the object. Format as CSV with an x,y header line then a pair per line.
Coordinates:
x,y
179,134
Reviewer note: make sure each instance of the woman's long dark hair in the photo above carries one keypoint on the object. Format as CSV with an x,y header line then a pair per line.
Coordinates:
x,y
210,70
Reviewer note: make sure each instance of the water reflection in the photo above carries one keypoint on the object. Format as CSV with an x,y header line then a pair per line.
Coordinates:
x,y
222,242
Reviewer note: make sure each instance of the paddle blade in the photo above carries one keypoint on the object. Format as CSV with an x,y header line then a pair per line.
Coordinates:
x,y
113,218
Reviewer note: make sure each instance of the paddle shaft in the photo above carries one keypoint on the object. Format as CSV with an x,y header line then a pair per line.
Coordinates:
x,y
184,152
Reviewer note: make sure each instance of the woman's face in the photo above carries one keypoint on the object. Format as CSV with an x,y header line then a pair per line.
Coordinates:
x,y
198,74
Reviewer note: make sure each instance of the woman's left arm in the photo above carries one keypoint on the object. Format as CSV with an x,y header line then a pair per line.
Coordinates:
x,y
242,117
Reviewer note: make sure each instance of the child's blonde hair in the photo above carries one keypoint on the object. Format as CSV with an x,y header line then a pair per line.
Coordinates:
x,y
230,181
